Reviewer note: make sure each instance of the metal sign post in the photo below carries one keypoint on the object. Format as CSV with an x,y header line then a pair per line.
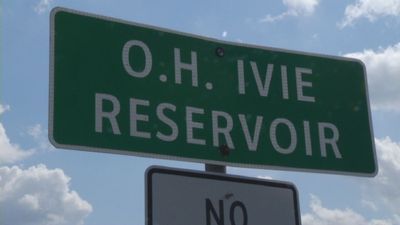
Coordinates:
x,y
215,168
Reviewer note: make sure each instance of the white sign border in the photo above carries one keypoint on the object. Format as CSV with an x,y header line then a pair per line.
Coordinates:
x,y
56,10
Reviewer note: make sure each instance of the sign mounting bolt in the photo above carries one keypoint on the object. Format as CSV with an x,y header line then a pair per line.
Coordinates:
x,y
220,52
224,150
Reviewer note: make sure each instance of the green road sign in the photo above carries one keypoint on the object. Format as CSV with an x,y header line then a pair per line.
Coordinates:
x,y
126,88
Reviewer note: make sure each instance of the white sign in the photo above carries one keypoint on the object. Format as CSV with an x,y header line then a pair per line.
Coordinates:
x,y
182,197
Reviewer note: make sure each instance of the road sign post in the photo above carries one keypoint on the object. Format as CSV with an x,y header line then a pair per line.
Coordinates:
x,y
127,88
181,197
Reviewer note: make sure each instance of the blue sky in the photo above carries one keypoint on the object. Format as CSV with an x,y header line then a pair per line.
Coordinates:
x,y
43,185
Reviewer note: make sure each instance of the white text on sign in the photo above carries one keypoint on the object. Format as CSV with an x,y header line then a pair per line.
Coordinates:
x,y
222,123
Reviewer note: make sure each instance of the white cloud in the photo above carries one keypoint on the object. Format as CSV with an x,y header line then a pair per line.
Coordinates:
x,y
383,191
369,204
379,194
294,8
270,19
224,33
42,6
370,9
9,152
320,215
39,196
383,72
4,108
39,135
301,7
